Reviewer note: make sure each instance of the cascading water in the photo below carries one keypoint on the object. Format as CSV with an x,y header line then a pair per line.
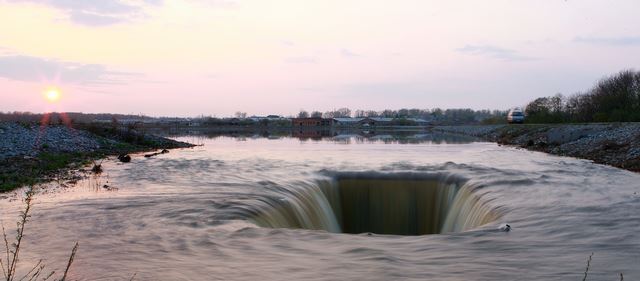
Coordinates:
x,y
305,206
398,204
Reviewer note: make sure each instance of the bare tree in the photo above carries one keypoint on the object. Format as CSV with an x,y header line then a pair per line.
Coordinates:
x,y
344,112
303,114
316,114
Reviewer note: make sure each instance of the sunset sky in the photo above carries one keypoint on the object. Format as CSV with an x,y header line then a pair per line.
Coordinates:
x,y
216,57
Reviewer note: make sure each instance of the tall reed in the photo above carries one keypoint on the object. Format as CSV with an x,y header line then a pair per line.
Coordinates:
x,y
9,264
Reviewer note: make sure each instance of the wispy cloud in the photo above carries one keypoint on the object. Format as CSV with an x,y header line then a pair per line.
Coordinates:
x,y
493,52
612,41
109,12
348,53
302,59
288,43
34,69
98,12
91,19
6,51
213,76
224,4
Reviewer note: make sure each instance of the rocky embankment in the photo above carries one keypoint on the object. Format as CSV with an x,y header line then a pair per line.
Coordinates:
x,y
29,141
615,144
33,153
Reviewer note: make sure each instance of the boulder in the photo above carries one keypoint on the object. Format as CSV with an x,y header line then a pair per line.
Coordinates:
x,y
124,158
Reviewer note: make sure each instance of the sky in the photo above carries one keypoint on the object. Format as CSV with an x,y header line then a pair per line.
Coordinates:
x,y
217,57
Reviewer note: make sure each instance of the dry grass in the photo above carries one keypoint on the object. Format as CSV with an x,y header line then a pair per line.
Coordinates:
x,y
586,271
9,263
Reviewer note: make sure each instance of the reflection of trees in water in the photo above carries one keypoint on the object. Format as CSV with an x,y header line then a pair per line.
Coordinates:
x,y
437,138
335,136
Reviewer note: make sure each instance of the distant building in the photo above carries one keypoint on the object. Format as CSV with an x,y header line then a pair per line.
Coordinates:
x,y
376,121
311,122
194,123
347,121
268,117
419,122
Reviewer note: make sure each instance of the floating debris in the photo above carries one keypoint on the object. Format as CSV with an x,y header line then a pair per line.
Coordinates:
x,y
504,227
164,151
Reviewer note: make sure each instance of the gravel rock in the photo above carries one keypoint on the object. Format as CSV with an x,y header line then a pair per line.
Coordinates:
x,y
616,144
19,140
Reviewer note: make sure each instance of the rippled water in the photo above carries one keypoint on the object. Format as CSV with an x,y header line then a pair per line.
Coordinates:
x,y
214,212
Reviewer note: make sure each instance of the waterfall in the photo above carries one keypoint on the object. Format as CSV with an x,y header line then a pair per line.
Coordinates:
x,y
304,206
468,210
398,204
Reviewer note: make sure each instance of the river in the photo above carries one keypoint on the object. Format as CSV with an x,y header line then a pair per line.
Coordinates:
x,y
347,207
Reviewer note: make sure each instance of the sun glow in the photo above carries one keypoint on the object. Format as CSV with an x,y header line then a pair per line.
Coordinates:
x,y
52,95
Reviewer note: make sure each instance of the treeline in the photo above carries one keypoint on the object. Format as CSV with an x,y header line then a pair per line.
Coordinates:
x,y
612,99
435,115
64,117
244,122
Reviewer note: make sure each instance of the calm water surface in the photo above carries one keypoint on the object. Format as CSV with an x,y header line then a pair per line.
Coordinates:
x,y
203,214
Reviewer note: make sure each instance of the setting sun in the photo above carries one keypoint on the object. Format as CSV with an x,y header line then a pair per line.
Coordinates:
x,y
52,95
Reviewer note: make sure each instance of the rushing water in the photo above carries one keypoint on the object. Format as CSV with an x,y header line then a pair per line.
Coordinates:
x,y
421,207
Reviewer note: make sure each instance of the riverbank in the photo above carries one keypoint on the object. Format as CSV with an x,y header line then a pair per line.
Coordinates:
x,y
30,153
615,144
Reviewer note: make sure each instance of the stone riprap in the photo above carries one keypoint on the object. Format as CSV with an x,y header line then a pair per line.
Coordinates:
x,y
26,140
615,144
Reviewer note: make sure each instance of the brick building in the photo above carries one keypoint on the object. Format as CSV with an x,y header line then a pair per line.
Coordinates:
x,y
311,122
